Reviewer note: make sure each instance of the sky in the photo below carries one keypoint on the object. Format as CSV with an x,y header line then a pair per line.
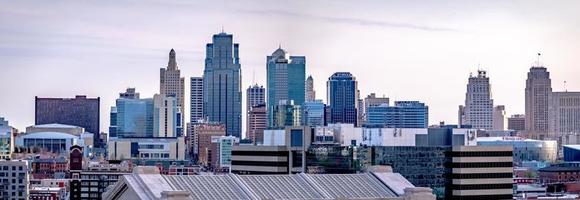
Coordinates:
x,y
405,50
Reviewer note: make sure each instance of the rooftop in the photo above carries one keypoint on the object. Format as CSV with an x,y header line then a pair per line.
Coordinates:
x,y
292,186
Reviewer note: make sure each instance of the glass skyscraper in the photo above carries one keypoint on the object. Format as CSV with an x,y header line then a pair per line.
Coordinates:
x,y
134,118
404,114
313,113
343,95
286,79
222,90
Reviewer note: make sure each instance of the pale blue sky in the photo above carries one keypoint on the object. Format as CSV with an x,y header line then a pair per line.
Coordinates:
x,y
407,50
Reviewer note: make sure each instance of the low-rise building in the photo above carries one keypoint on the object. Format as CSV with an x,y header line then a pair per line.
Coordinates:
x,y
15,179
145,149
524,149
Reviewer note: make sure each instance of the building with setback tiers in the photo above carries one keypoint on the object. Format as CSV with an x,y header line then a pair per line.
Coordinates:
x,y
170,81
222,90
478,108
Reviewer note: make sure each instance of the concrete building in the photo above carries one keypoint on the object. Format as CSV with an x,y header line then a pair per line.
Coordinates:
x,y
196,99
199,143
517,122
61,128
153,148
220,156
538,90
54,142
6,140
313,113
286,76
166,117
481,172
79,111
338,134
433,136
309,89
15,179
255,97
342,96
248,159
524,149
286,113
564,113
257,123
404,114
374,185
478,108
499,118
171,84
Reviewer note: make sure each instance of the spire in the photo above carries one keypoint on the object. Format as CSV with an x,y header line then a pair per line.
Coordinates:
x,y
172,64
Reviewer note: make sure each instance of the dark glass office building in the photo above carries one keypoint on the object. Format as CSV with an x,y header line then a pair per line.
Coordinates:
x,y
79,111
342,91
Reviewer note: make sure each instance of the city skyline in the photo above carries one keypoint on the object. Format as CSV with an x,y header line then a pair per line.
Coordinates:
x,y
51,54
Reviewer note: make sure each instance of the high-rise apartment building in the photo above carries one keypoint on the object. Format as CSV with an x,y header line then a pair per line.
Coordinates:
x,y
478,109
499,118
564,113
404,114
309,89
517,122
538,90
171,83
222,90
255,96
286,79
257,123
79,111
196,99
343,95
15,179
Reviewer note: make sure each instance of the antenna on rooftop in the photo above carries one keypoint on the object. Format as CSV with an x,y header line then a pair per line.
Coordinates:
x,y
565,89
538,61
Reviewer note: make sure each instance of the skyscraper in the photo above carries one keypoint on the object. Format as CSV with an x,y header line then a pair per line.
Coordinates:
x,y
286,113
171,83
286,79
313,113
255,96
342,95
499,118
196,99
478,109
79,111
538,90
310,93
564,110
166,117
222,90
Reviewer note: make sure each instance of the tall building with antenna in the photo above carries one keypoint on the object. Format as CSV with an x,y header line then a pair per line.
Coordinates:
x,y
478,108
222,90
538,90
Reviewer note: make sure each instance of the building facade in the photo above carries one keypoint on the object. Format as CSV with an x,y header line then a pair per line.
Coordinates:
x,y
309,89
313,113
196,99
199,142
342,95
517,122
404,114
166,117
79,111
564,113
481,172
525,149
499,118
286,113
222,95
257,123
372,100
538,90
285,79
132,116
144,149
478,109
15,179
6,140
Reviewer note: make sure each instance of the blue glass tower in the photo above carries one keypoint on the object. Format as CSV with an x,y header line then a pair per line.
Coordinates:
x,y
134,118
342,95
404,114
222,92
313,113
285,79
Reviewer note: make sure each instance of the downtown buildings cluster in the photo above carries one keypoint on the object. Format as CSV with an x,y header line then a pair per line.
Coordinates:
x,y
290,131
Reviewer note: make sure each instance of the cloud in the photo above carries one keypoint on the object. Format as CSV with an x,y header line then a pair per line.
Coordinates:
x,y
352,21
